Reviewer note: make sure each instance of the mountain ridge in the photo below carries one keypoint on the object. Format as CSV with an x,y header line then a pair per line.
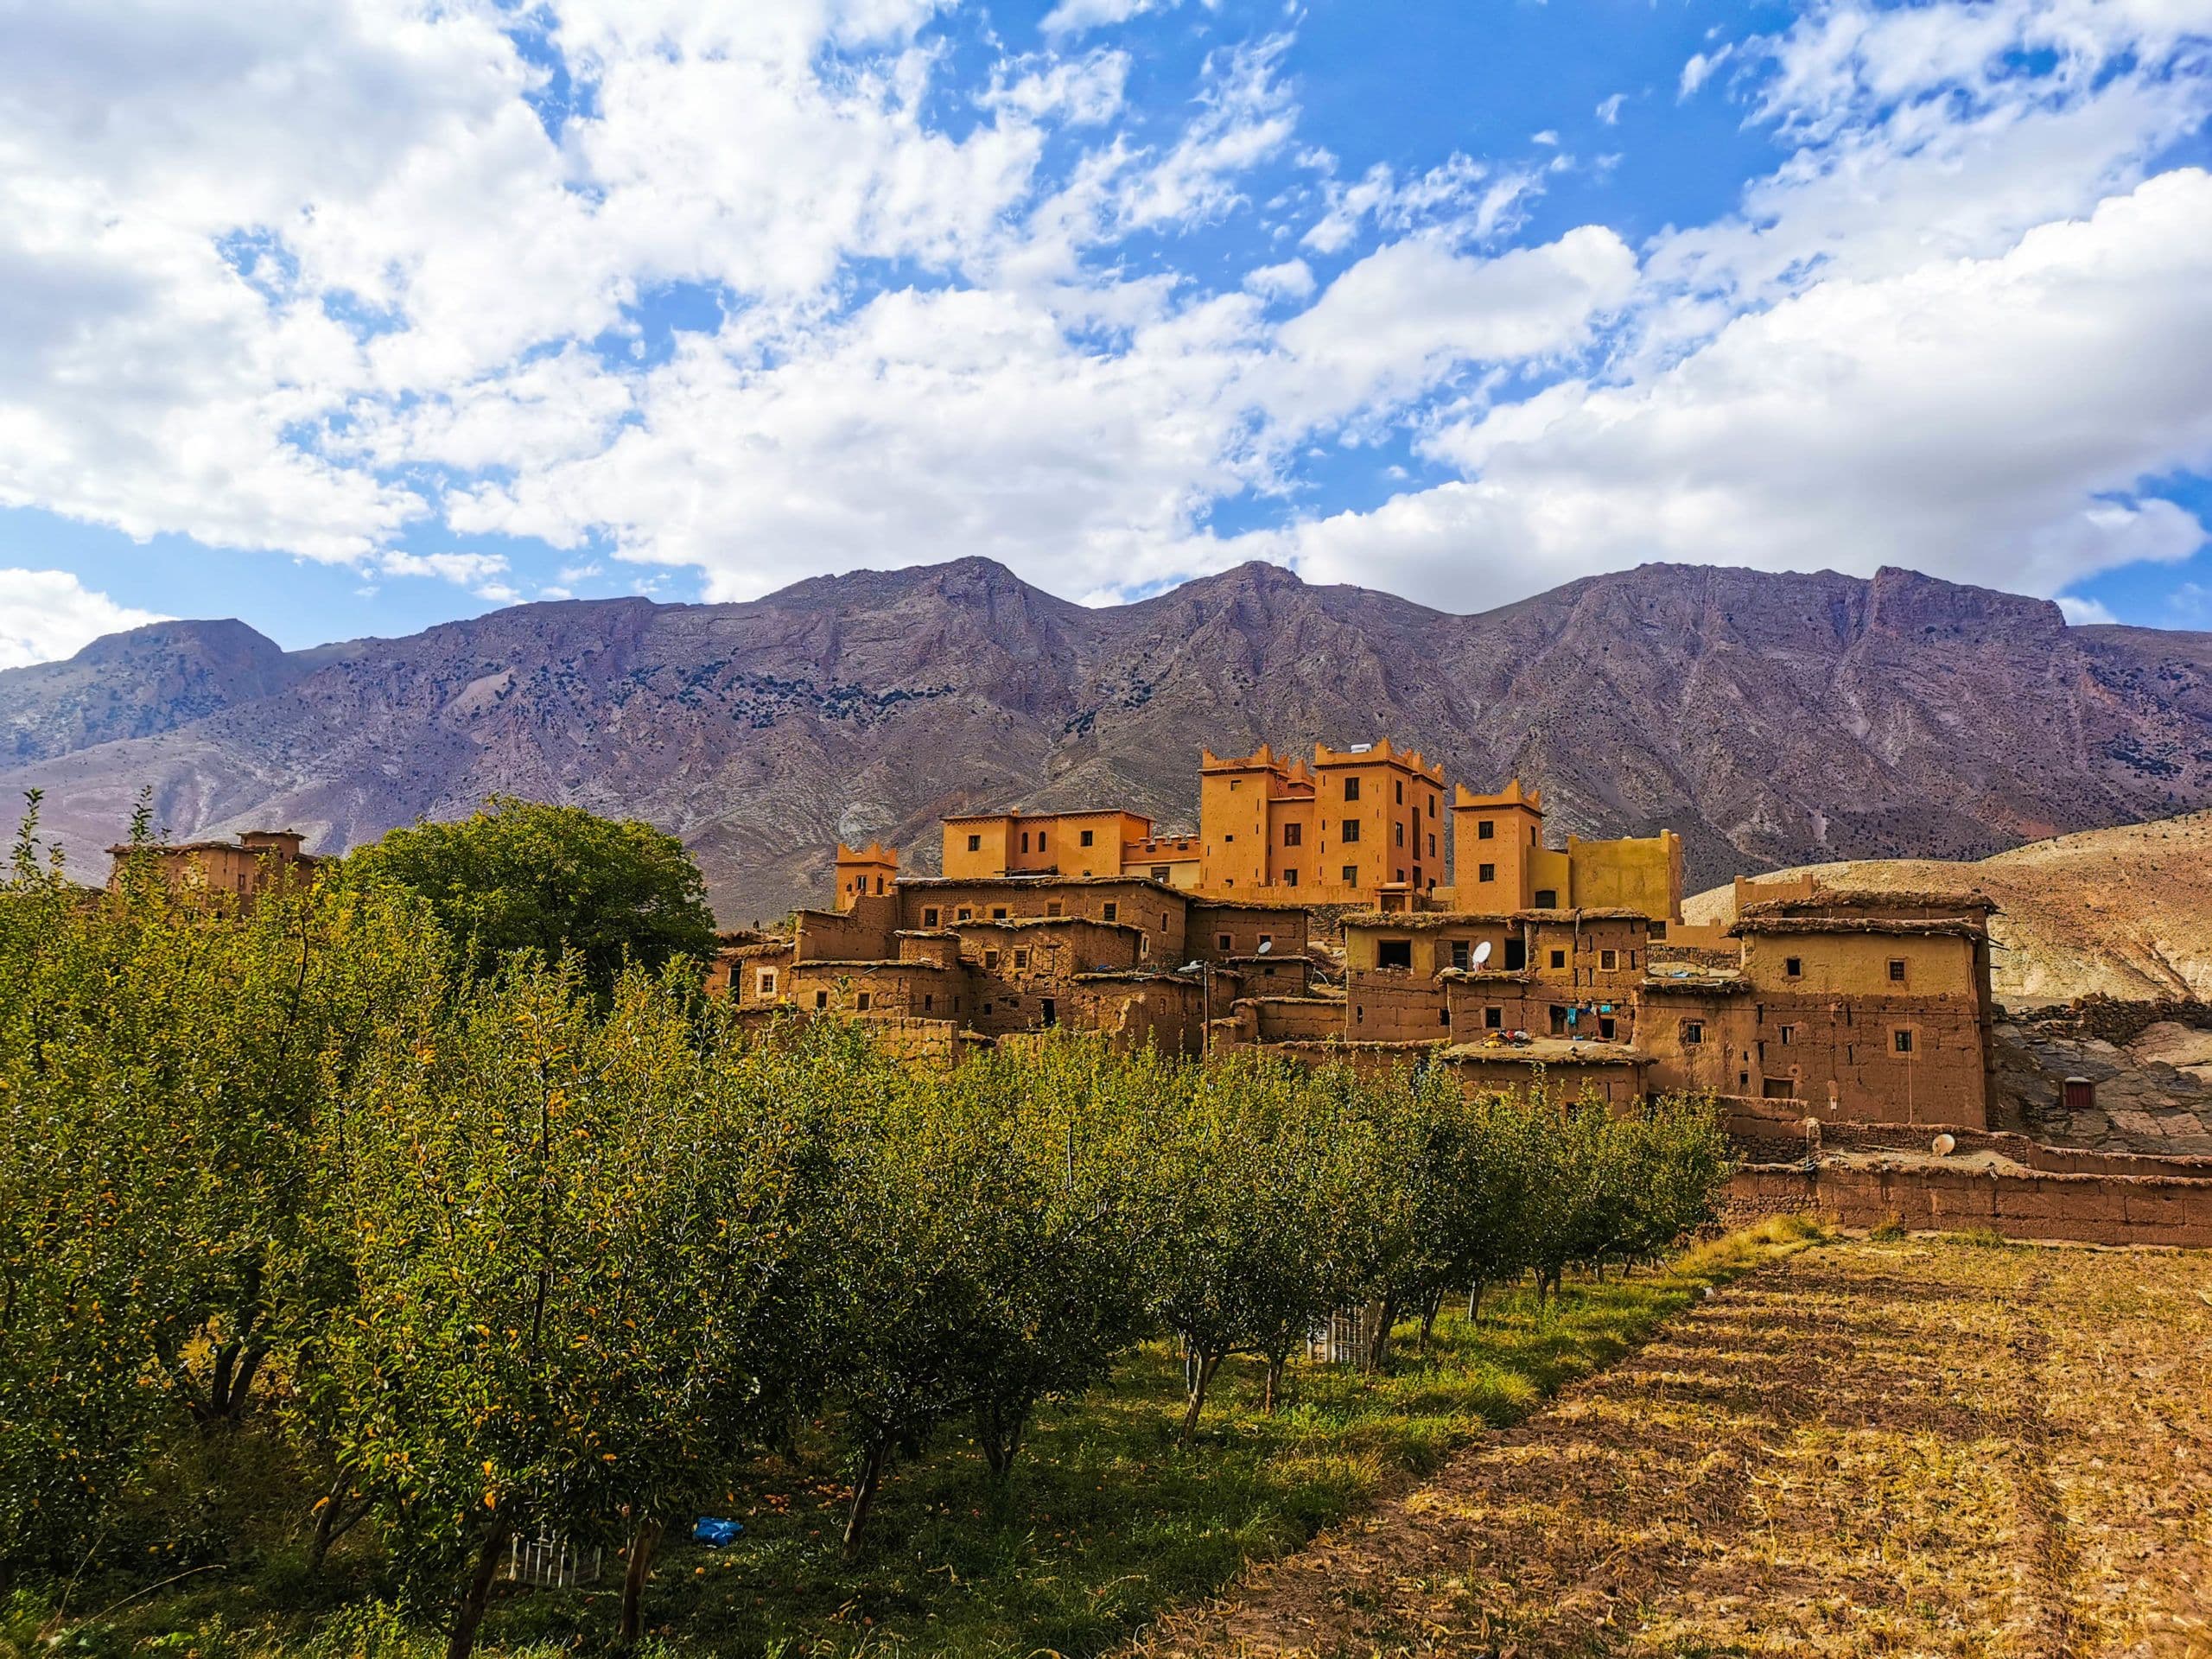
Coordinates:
x,y
1772,719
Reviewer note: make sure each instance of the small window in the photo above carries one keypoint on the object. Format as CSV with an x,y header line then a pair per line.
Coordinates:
x,y
1517,954
1559,958
1896,973
1432,846
1901,1040
1351,831
1352,875
990,962
1394,953
1485,829
1085,839
1609,959
1021,958
929,1000
998,912
1793,967
1048,1012
1025,841
1358,1014
1444,1016
1112,911
1779,1089
1352,789
866,1002
1159,872
1221,941
1693,1033
1401,791
766,982
1400,828
1267,941
1040,841
929,915
1459,953
1485,872
1605,1029
822,999
1547,899
1293,834
1290,878
1051,906
1788,1035
975,843
1493,1018
965,914
1658,929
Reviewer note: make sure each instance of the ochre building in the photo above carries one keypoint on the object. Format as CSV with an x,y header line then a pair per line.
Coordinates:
x,y
240,871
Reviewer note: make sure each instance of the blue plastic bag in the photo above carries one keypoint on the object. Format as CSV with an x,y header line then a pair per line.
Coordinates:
x,y
714,1533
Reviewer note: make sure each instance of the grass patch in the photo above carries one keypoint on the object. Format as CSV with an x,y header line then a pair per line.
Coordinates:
x,y
1104,1522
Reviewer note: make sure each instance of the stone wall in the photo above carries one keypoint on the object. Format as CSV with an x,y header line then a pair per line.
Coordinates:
x,y
2093,1209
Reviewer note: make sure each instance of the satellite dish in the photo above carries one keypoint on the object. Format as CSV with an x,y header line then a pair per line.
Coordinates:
x,y
1266,945
1481,953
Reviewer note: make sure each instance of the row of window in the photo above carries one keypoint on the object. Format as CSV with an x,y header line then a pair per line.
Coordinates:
x,y
1901,1036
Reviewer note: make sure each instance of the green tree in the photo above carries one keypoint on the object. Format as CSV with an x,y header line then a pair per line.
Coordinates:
x,y
167,1067
525,875
562,1245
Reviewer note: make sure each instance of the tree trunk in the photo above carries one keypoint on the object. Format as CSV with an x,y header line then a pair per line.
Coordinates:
x,y
1430,1309
470,1615
1474,1301
1379,1349
1002,1440
643,1542
1206,1366
329,1527
864,1495
1273,1394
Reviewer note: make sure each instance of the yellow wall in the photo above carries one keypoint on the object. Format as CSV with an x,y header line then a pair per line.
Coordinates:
x,y
988,858
1643,873
1858,964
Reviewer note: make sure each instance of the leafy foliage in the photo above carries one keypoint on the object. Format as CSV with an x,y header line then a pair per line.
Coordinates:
x,y
545,1244
556,879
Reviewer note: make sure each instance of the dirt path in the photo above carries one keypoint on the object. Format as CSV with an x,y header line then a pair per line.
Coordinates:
x,y
1911,1448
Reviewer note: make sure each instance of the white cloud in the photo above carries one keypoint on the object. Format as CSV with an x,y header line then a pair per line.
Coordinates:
x,y
1968,280
1985,419
482,573
1079,17
1291,280
2082,612
1700,69
49,614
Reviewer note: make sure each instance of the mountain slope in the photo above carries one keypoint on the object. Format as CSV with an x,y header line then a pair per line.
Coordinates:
x,y
1770,719
2126,911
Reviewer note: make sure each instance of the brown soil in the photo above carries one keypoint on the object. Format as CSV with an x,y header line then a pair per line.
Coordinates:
x,y
1919,1448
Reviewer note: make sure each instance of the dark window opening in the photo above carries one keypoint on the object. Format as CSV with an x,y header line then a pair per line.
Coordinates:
x,y
1693,1033
1485,829
1394,953
1547,899
1352,789
975,843
1351,831
1493,1019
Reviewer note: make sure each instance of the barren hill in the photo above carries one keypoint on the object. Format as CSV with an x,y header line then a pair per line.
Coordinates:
x,y
1770,719
2126,911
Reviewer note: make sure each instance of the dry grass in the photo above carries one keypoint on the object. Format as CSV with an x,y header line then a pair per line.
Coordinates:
x,y
1914,1447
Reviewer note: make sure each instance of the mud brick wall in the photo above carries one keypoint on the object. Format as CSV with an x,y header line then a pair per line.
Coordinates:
x,y
2099,1209
1387,1006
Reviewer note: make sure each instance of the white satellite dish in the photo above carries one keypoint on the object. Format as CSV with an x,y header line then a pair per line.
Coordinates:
x,y
1266,945
1481,953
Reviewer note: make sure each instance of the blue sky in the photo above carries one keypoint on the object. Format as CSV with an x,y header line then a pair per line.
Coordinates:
x,y
351,319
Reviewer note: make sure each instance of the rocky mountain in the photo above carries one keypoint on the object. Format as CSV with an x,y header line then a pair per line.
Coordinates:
x,y
1772,720
2125,912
